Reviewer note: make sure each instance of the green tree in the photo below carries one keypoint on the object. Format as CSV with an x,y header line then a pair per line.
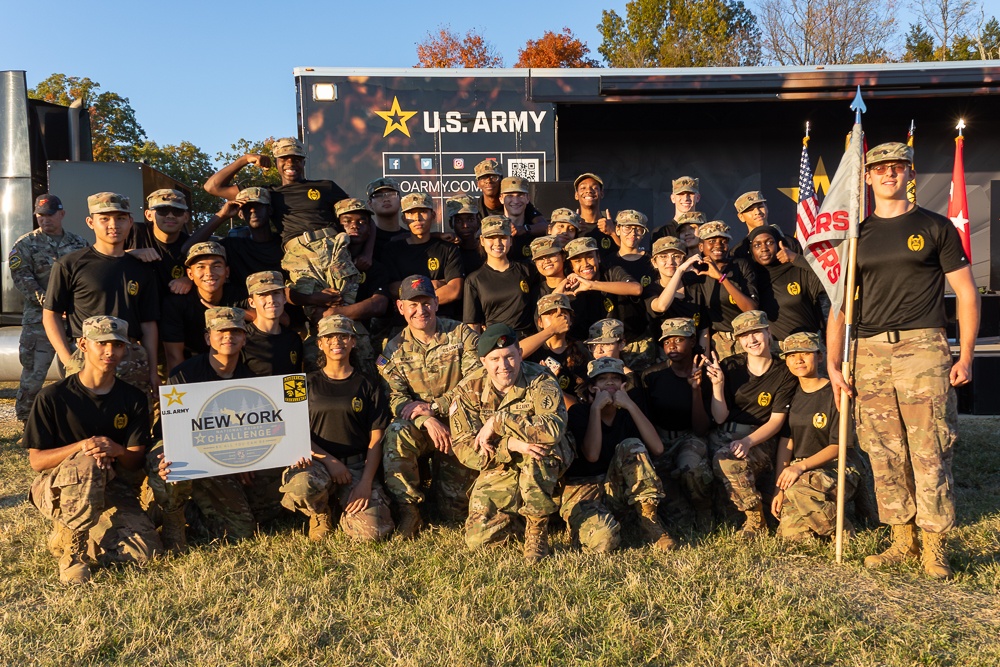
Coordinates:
x,y
675,33
252,176
115,131
919,44
188,164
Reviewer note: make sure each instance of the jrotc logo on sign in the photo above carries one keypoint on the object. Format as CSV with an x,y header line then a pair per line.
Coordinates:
x,y
294,387
645,281
915,243
313,194
356,404
608,305
819,420
606,243
121,421
176,272
524,286
764,399
794,288
433,264
132,287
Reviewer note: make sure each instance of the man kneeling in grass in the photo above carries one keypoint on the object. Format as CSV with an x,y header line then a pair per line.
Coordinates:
x,y
84,436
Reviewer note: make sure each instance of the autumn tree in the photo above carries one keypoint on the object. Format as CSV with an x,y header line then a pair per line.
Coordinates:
x,y
447,48
826,32
555,50
947,21
680,33
115,132
188,164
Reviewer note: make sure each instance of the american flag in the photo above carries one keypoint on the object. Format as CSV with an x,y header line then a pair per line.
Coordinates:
x,y
808,207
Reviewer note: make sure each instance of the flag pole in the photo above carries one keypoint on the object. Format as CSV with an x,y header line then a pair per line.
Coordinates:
x,y
858,106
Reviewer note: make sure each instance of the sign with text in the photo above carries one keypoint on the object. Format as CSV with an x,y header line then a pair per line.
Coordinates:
x,y
232,426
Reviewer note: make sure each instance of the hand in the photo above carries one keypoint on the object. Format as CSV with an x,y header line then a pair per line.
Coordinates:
x,y
246,478
789,476
163,468
694,379
154,381
145,254
602,399
230,210
363,262
439,434
689,262
961,373
711,269
606,225
338,471
779,500
303,462
180,285
103,450
839,383
623,400
569,285
714,371
785,256
359,499
532,449
741,447
483,438
325,297
415,409
259,161
559,324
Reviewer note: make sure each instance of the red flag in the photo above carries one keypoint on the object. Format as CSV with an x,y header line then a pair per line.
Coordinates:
x,y
958,203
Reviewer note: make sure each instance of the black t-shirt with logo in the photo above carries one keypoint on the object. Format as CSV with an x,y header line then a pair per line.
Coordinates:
x,y
171,263
594,305
184,318
343,413
66,412
272,354
621,427
435,259
902,263
199,369
750,398
305,206
632,310
246,257
569,366
669,398
493,296
708,292
86,283
814,423
790,296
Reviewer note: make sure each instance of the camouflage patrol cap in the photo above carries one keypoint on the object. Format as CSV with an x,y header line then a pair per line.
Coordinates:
x,y
204,249
513,184
383,183
544,246
752,320
677,326
630,218
495,225
893,151
47,204
416,200
254,196
714,229
580,246
554,301
691,218
167,197
568,216
414,286
583,177
606,331
488,167
748,199
606,365
495,337
459,205
222,318
107,202
335,324
265,281
288,146
351,206
804,341
668,244
684,184
102,328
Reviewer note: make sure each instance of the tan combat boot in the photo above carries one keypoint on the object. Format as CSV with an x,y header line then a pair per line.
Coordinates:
x,y
320,525
410,521
652,527
934,556
756,525
73,567
904,547
174,531
536,538
56,541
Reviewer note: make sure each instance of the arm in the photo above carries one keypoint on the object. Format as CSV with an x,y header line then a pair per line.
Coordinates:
x,y
24,279
105,450
720,410
620,288
364,260
835,355
449,291
742,301
662,303
220,184
151,343
55,331
768,430
373,306
647,431
173,355
591,445
700,421
785,449
362,493
967,309
534,342
228,211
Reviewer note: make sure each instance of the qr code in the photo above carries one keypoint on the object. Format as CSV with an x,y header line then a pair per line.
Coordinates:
x,y
526,169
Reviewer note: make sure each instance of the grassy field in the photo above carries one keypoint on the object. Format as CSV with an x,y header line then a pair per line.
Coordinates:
x,y
278,599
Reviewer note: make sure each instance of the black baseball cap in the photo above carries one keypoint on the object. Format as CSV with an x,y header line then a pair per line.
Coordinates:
x,y
47,204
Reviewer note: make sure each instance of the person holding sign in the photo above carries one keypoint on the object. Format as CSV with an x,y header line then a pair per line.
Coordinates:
x,y
348,415
83,435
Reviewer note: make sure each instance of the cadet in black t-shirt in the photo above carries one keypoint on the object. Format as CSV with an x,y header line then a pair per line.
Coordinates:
x,y
751,209
615,441
806,487
640,350
595,289
82,431
348,415
270,349
595,222
565,358
670,299
163,235
462,217
501,290
750,396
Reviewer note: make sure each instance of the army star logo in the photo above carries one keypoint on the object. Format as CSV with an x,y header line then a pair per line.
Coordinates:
x,y
174,397
390,117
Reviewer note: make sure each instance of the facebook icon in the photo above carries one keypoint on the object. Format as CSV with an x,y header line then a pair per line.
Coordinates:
x,y
394,163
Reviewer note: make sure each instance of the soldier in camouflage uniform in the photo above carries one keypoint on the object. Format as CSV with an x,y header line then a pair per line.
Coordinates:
x,y
508,422
422,366
30,260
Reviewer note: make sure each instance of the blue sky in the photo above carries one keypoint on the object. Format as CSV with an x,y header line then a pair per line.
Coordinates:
x,y
213,72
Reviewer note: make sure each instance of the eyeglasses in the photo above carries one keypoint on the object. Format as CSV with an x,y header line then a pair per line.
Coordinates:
x,y
632,230
384,194
492,178
891,167
169,210
339,337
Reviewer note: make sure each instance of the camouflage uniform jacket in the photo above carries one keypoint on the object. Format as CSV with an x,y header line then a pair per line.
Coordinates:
x,y
429,373
31,261
532,410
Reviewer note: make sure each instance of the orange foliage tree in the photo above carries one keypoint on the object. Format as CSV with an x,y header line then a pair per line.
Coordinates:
x,y
447,49
555,50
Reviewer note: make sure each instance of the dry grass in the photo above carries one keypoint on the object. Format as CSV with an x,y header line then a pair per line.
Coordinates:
x,y
277,599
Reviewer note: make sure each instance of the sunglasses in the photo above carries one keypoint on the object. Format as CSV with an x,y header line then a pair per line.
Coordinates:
x,y
169,210
891,167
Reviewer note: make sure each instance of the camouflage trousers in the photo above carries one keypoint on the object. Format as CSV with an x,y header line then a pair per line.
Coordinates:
x,y
321,264
133,368
229,507
685,458
739,476
402,447
82,497
521,486
907,416
590,505
35,353
811,502
641,354
309,490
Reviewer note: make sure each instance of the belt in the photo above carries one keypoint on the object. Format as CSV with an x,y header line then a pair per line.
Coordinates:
x,y
895,335
670,435
309,237
738,429
351,460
